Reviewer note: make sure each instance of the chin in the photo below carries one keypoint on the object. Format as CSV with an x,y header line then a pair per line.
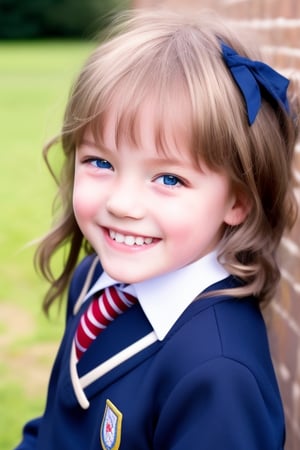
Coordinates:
x,y
122,276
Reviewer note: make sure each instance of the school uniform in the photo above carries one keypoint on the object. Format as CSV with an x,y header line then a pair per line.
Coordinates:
x,y
199,378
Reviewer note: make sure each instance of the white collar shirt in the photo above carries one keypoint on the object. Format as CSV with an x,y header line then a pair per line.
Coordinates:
x,y
164,298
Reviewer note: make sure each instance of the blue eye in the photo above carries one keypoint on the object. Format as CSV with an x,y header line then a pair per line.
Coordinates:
x,y
101,164
169,180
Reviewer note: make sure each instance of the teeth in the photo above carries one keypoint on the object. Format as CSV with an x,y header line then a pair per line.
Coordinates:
x,y
139,241
119,237
129,240
112,234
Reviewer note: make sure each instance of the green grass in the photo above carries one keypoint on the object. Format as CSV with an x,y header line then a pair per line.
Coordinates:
x,y
35,78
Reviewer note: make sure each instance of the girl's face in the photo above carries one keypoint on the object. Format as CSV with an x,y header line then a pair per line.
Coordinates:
x,y
146,213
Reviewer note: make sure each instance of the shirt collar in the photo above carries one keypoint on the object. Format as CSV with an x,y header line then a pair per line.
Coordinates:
x,y
162,298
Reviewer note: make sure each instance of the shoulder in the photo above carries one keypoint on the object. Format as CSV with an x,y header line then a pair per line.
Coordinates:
x,y
218,327
85,275
229,326
242,332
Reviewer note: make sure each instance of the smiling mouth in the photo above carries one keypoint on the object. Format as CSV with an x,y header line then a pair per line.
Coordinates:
x,y
129,239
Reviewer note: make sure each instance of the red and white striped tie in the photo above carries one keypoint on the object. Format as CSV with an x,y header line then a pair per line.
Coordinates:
x,y
100,313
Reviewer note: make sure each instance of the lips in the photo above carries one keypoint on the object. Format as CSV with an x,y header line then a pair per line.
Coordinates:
x,y
129,240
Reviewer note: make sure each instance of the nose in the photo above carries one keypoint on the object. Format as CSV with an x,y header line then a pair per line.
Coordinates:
x,y
126,200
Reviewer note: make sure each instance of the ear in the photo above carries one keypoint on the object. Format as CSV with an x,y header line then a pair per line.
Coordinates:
x,y
239,210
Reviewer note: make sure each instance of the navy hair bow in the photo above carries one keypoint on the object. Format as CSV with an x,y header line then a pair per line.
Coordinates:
x,y
253,79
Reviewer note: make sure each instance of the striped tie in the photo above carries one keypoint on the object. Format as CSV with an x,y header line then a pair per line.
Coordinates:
x,y
100,313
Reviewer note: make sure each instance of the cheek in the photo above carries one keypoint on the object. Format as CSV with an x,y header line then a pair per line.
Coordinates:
x,y
195,220
84,201
177,223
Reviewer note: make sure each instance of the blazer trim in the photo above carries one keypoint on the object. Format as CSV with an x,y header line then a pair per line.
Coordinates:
x,y
81,383
86,285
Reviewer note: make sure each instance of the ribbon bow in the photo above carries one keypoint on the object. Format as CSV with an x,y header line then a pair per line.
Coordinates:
x,y
253,78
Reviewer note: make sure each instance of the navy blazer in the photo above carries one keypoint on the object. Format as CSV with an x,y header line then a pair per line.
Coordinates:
x,y
209,385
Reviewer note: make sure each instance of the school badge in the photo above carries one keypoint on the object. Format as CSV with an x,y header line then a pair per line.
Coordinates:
x,y
110,432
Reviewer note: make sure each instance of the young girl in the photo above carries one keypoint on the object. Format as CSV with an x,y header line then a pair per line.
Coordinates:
x,y
176,182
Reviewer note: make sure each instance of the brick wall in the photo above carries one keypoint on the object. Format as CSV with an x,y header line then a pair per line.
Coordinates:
x,y
277,23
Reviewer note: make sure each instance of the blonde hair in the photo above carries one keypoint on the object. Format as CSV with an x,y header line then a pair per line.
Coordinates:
x,y
175,59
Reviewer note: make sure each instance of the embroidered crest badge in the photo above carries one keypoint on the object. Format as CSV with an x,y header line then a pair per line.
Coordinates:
x,y
111,426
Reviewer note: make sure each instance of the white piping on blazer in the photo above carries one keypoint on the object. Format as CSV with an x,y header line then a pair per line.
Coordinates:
x,y
79,383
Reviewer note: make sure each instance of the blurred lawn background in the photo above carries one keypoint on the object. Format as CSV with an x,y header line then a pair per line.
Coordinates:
x,y
35,78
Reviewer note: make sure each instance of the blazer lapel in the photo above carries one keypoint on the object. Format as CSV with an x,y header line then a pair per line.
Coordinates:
x,y
126,342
